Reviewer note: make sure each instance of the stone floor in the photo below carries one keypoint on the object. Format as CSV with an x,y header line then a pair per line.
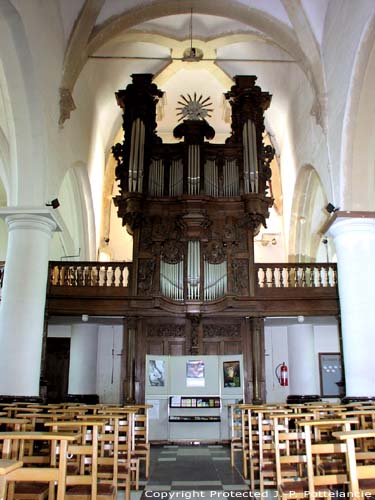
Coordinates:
x,y
189,472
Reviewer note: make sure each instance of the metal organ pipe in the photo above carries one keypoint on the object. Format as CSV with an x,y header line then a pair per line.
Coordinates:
x,y
176,178
250,153
141,156
193,270
193,169
215,280
246,158
171,280
156,179
231,178
136,156
131,159
211,178
254,163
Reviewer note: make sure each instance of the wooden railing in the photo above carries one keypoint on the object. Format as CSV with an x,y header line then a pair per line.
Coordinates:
x,y
90,274
313,275
118,274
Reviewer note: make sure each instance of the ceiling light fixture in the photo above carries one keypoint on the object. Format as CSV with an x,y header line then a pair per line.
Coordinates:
x,y
192,54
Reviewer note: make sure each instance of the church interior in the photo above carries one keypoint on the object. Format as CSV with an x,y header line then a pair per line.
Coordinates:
x,y
187,215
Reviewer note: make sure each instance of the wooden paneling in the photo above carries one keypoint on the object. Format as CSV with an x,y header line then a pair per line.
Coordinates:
x,y
231,347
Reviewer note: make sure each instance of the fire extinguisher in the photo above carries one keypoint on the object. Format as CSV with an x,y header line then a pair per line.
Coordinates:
x,y
282,374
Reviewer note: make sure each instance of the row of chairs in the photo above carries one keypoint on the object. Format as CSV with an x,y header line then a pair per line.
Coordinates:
x,y
305,450
105,446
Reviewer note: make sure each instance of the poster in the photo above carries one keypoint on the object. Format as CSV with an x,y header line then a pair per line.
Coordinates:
x,y
231,371
195,373
156,372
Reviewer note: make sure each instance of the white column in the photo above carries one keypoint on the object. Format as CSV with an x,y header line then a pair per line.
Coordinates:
x,y
301,355
354,240
83,359
23,302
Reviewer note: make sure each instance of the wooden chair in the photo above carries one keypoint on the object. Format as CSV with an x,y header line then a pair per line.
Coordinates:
x,y
141,445
235,431
321,432
6,467
83,483
47,476
361,464
290,461
113,463
321,481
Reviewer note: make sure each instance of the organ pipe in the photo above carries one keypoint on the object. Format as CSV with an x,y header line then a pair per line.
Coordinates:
x,y
136,157
171,280
176,178
250,157
211,178
156,178
193,169
231,178
215,280
193,270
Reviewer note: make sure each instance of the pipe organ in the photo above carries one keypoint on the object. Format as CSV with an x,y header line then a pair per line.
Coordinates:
x,y
193,208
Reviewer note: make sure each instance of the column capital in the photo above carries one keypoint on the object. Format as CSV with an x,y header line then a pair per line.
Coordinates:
x,y
39,218
352,222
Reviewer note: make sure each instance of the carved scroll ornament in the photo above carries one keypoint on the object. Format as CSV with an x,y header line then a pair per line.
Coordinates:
x,y
214,252
172,252
168,330
221,330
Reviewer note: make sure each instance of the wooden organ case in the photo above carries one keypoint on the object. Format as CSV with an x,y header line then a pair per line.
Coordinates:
x,y
193,209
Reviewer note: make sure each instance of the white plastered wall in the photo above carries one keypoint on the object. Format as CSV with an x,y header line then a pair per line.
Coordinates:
x,y
326,339
109,359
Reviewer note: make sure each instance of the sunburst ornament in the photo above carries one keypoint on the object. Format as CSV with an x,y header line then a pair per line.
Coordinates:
x,y
193,108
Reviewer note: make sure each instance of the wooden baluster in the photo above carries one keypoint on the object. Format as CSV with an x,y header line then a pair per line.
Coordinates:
x,y
289,269
334,276
284,277
79,276
113,281
318,277
127,277
85,276
273,282
97,280
258,277
322,276
262,277
105,279
308,276
121,277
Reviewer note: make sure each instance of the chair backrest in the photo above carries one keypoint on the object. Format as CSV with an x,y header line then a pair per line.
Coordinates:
x,y
13,441
289,450
358,462
320,483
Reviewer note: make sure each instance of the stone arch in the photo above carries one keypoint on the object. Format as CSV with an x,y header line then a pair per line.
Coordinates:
x,y
308,216
25,110
358,136
78,228
83,43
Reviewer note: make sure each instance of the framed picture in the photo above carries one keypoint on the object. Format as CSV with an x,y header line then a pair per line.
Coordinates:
x,y
156,372
232,376
195,373
330,368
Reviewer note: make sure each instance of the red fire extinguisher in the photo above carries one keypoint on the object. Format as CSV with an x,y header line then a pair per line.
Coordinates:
x,y
282,374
